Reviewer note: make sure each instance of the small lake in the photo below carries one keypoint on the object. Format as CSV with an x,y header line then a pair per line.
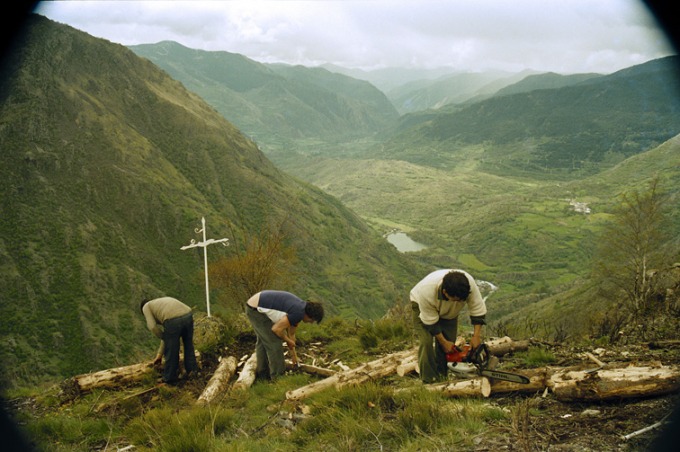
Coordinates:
x,y
404,243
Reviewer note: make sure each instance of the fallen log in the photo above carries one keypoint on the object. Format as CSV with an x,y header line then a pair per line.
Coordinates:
x,y
370,371
247,376
615,384
109,378
219,381
505,345
538,381
572,384
474,387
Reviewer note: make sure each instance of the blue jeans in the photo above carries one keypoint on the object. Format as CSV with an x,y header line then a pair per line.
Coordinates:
x,y
174,330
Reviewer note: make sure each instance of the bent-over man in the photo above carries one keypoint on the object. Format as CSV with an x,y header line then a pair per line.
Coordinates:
x,y
171,320
275,316
436,302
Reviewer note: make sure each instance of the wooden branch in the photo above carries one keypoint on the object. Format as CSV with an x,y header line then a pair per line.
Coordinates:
x,y
247,376
373,370
219,381
594,359
313,370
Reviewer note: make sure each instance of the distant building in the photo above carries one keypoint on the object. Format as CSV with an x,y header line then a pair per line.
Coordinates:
x,y
579,207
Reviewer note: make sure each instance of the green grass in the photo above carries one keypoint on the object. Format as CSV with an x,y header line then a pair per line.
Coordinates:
x,y
395,413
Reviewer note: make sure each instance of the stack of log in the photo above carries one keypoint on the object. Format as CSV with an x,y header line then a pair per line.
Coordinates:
x,y
603,382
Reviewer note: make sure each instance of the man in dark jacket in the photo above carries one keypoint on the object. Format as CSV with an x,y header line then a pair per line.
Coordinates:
x,y
275,315
171,320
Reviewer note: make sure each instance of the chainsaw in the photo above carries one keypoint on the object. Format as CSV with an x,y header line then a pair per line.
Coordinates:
x,y
468,363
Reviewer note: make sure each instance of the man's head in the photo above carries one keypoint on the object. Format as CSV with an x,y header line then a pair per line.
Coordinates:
x,y
456,284
314,311
141,305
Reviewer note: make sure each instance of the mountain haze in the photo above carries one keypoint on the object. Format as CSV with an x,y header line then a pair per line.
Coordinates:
x,y
107,167
276,102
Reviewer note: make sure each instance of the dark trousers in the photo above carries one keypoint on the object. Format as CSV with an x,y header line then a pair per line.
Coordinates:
x,y
268,347
174,330
431,357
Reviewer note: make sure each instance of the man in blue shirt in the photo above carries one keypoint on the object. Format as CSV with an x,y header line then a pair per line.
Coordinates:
x,y
271,334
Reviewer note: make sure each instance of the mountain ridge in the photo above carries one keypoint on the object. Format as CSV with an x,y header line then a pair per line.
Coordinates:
x,y
109,165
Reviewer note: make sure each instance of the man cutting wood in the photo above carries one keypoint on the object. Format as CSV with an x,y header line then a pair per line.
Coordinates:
x,y
436,302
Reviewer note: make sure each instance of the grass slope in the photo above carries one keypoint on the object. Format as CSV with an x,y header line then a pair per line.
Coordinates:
x,y
107,167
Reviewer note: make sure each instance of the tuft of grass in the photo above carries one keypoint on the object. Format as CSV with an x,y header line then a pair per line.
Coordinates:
x,y
385,334
374,417
537,357
195,428
67,432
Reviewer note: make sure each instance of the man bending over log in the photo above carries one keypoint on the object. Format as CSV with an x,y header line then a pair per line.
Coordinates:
x,y
271,333
171,320
436,301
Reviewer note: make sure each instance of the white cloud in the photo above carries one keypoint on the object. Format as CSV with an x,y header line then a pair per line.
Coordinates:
x,y
561,36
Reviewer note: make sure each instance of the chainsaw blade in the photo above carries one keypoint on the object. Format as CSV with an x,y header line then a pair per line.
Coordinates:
x,y
506,376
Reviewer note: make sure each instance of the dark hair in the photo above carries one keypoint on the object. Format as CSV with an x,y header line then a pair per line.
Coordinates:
x,y
456,285
141,305
314,310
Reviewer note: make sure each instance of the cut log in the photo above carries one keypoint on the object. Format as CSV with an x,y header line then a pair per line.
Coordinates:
x,y
370,371
219,381
505,345
408,365
615,384
109,378
247,376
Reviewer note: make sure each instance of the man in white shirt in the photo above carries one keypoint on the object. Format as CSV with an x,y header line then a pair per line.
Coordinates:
x,y
436,302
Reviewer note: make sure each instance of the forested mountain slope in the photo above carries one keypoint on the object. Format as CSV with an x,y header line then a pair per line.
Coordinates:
x,y
597,122
276,103
107,167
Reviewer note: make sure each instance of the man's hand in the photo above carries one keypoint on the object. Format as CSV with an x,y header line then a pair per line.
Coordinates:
x,y
291,343
444,343
293,356
476,339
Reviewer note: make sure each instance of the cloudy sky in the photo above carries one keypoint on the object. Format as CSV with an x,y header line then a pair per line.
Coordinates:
x,y
565,36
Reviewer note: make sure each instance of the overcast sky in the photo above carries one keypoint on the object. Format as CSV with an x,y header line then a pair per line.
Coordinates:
x,y
565,36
